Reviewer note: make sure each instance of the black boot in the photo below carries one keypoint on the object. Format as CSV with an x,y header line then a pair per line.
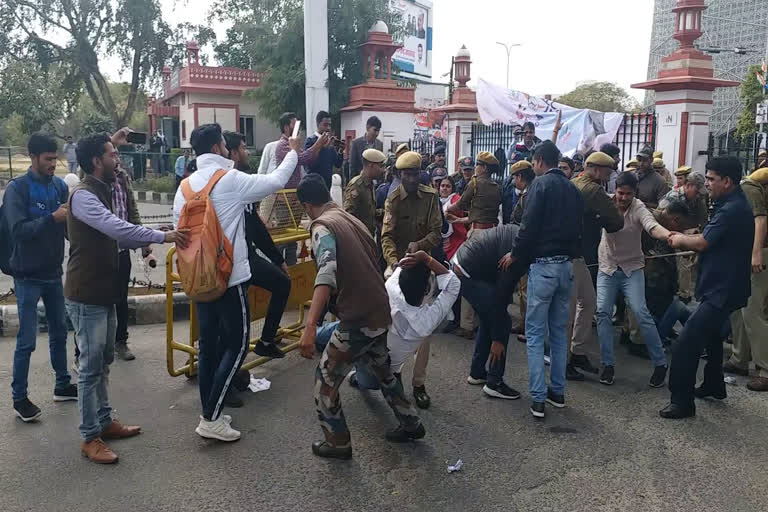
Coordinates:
x,y
323,449
571,373
675,412
400,435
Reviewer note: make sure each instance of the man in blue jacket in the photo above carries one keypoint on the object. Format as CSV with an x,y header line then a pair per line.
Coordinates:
x,y
35,211
328,157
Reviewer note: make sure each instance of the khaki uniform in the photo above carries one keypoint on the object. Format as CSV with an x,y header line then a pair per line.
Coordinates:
x,y
481,199
412,218
517,213
749,325
360,201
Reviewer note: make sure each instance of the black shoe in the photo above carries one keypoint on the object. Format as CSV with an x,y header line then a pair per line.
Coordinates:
x,y
607,376
232,400
323,449
704,391
65,394
268,350
501,390
537,409
26,410
241,381
659,374
400,435
639,351
555,400
675,412
582,362
421,397
571,373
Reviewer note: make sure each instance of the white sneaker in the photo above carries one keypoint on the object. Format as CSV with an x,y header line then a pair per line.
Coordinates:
x,y
475,382
547,360
225,417
218,429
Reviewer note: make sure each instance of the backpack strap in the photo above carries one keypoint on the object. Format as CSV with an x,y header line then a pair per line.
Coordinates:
x,y
189,194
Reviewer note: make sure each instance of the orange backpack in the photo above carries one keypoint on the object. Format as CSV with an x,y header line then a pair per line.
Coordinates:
x,y
206,264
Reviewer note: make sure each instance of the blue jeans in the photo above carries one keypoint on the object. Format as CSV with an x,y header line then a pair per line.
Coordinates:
x,y
550,282
28,292
633,289
676,312
95,328
365,379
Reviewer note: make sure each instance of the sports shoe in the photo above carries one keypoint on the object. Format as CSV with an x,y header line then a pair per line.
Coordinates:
x,y
582,362
352,378
555,400
218,429
323,449
421,397
547,360
123,352
65,394
537,410
268,350
606,377
571,373
400,435
26,410
659,374
476,382
501,390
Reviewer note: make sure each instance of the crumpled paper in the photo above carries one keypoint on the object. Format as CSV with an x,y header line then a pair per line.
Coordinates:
x,y
455,467
257,385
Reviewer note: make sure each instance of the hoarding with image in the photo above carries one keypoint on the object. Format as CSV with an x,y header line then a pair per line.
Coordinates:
x,y
415,57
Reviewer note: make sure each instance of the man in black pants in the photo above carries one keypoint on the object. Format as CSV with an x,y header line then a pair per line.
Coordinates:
x,y
722,286
270,274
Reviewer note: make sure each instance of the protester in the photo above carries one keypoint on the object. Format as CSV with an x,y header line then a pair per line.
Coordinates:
x,y
328,157
412,223
270,273
614,152
465,174
750,323
522,175
481,197
600,213
488,289
359,200
567,166
93,286
722,287
338,238
438,160
180,167
523,150
621,263
35,210
367,141
651,187
70,151
224,323
453,236
267,163
548,244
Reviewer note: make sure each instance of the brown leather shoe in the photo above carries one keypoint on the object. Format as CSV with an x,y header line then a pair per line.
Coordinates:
x,y
758,384
98,452
116,430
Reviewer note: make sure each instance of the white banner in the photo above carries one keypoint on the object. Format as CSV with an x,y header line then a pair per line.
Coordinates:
x,y
581,129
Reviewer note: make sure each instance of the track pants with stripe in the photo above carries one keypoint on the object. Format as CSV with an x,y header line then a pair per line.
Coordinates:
x,y
224,334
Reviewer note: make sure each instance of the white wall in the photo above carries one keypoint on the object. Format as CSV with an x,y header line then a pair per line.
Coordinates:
x,y
670,119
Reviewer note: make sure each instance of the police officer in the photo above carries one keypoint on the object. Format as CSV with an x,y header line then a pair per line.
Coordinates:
x,y
482,196
359,197
438,159
661,169
680,174
412,223
522,175
466,171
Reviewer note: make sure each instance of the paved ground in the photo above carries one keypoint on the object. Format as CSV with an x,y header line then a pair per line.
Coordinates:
x,y
608,450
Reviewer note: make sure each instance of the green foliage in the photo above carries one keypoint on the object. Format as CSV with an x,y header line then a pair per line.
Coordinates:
x,y
12,131
600,96
165,183
268,35
34,93
751,93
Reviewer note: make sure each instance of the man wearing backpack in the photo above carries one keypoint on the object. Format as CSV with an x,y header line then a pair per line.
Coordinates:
x,y
224,321
34,212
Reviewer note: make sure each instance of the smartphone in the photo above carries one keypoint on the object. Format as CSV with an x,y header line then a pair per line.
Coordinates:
x,y
296,128
137,138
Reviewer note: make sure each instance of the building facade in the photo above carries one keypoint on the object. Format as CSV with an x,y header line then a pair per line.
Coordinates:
x,y
726,24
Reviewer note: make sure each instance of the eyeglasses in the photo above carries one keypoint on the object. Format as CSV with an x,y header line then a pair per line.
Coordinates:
x,y
529,133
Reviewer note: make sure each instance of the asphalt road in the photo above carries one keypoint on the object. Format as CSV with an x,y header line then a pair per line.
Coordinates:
x,y
607,450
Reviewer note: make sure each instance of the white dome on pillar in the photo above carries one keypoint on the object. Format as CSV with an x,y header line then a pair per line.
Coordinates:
x,y
380,26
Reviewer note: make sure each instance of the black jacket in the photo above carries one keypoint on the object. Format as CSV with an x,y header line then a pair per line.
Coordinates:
x,y
479,256
552,221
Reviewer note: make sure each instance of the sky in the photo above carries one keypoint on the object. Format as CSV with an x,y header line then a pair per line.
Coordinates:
x,y
564,42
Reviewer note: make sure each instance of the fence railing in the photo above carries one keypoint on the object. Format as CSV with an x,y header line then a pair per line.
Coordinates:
x,y
746,149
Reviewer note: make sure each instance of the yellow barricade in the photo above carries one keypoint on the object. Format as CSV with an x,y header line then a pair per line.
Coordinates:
x,y
283,214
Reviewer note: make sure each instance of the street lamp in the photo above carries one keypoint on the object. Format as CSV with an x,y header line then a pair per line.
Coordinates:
x,y
508,48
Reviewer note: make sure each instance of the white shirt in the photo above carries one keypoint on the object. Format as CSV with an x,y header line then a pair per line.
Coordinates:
x,y
231,195
623,249
411,324
268,163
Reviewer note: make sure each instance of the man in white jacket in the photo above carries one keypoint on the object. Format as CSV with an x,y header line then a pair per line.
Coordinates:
x,y
224,323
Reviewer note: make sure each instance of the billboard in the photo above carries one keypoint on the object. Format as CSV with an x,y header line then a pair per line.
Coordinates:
x,y
415,57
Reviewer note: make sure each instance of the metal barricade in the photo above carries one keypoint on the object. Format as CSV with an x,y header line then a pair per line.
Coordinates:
x,y
284,218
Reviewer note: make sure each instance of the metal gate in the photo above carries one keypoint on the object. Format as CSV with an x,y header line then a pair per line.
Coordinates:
x,y
744,148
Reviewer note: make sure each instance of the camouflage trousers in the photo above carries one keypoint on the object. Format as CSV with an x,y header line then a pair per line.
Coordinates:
x,y
344,350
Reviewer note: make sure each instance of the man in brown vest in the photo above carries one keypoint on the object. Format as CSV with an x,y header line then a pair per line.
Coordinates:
x,y
347,267
92,286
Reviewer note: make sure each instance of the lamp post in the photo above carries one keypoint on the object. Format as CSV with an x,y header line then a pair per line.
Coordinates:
x,y
508,48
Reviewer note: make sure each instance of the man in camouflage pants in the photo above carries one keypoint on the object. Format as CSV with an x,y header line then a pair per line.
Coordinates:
x,y
341,241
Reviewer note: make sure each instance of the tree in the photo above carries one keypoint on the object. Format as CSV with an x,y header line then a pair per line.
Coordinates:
x,y
132,30
268,36
751,93
600,96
